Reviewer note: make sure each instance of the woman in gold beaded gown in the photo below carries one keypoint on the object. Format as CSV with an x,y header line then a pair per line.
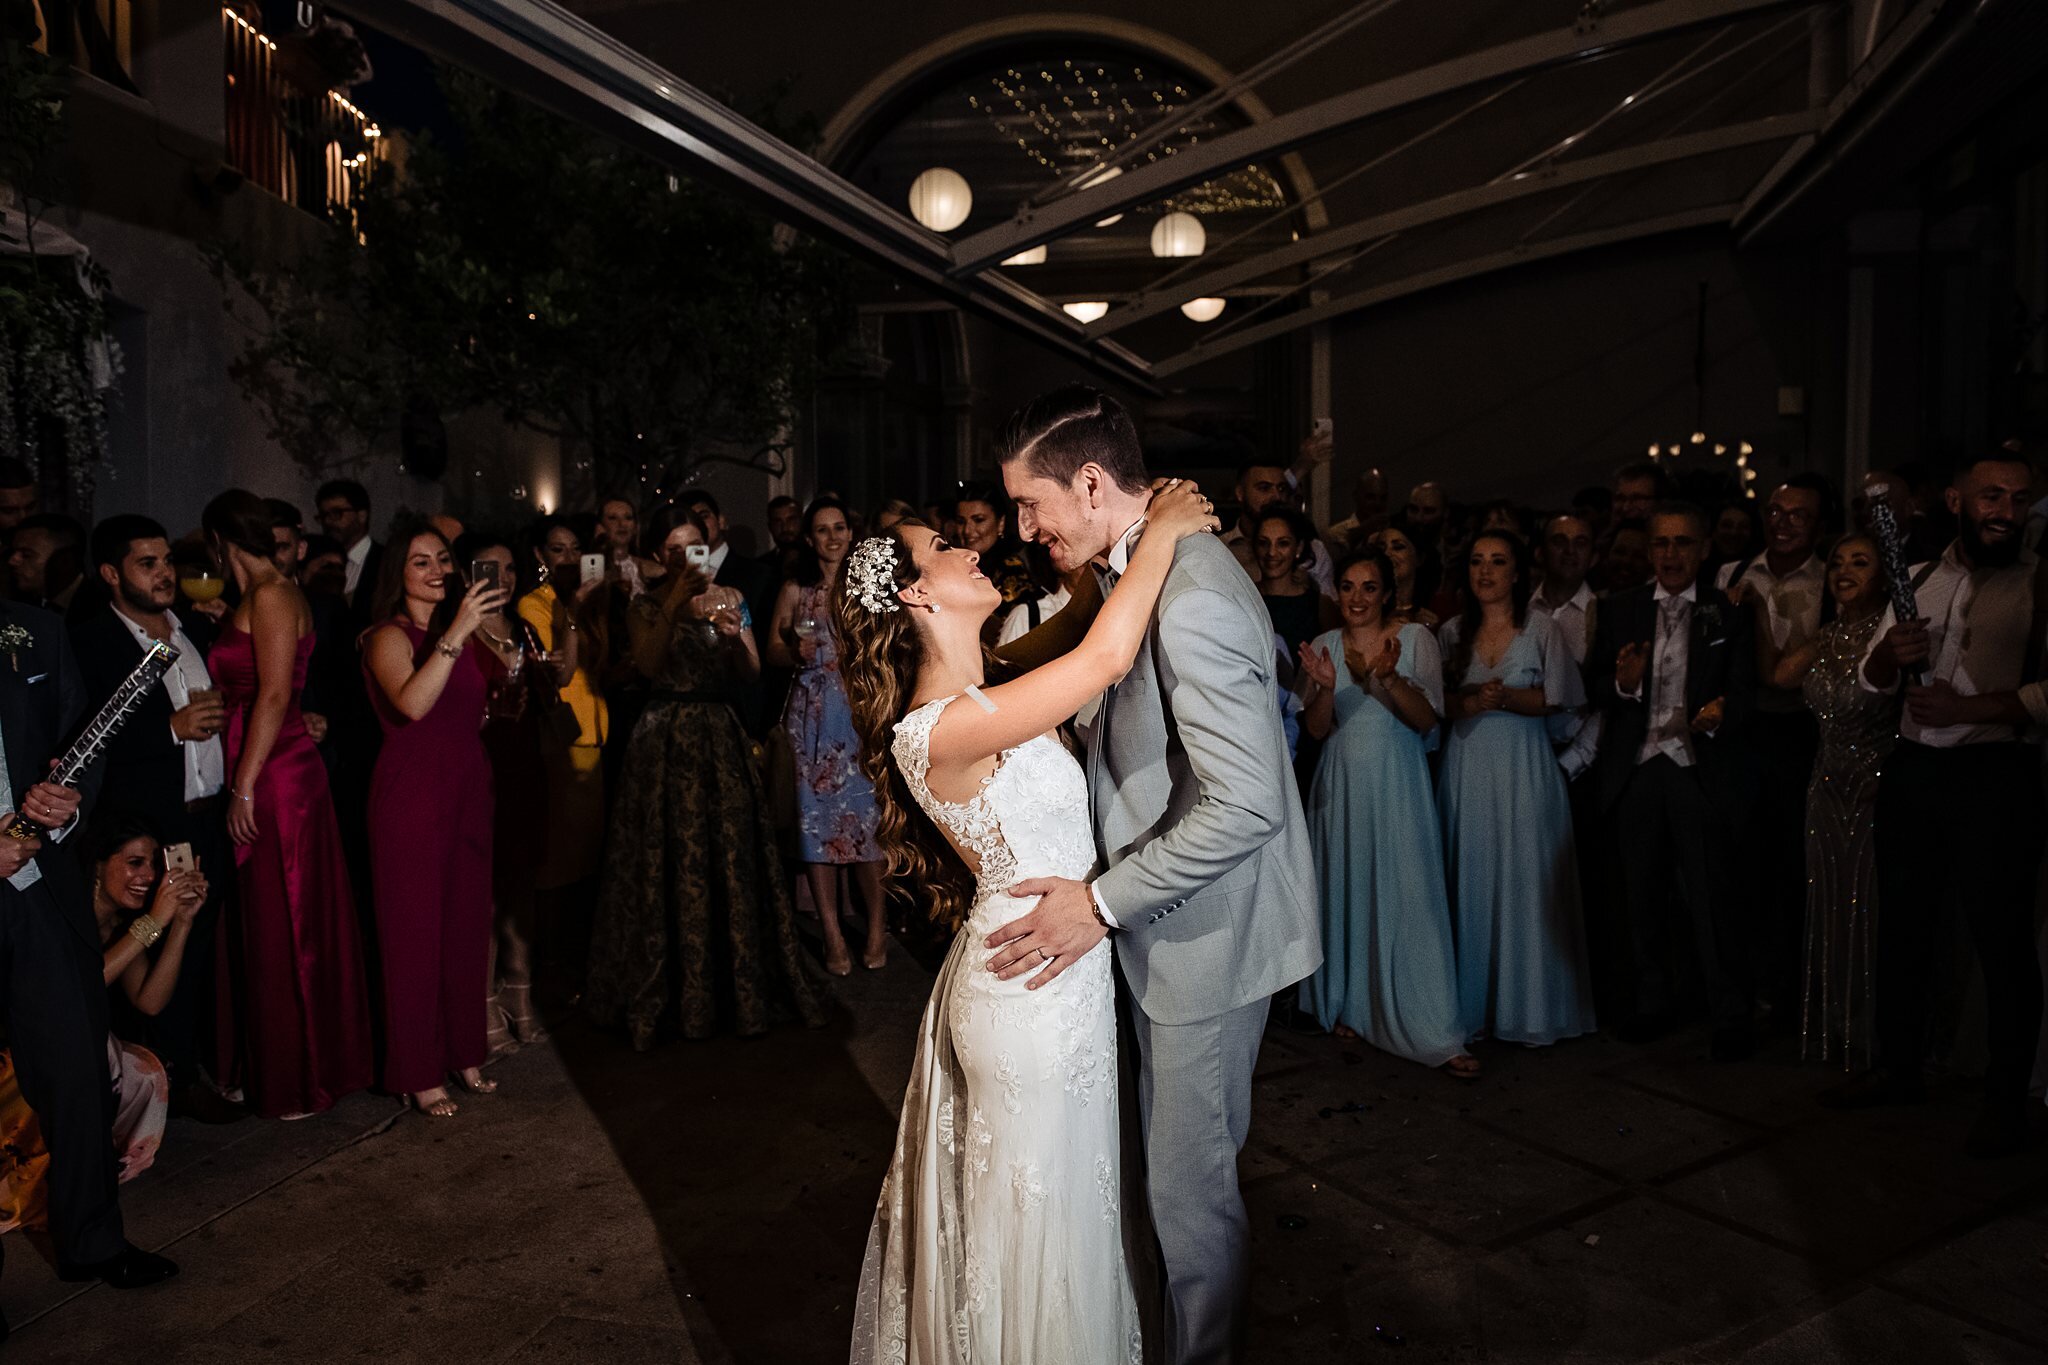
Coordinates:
x,y
1857,728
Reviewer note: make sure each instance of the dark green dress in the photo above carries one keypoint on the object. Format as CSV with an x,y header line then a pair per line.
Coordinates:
x,y
695,930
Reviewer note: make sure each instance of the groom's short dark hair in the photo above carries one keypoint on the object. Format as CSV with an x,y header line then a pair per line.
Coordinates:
x,y
1058,432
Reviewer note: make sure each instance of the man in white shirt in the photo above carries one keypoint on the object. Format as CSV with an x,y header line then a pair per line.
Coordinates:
x,y
1959,807
1786,587
165,771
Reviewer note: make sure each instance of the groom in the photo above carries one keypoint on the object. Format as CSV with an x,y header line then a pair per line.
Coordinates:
x,y
1210,891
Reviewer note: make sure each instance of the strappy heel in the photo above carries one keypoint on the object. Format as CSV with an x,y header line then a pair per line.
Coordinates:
x,y
525,1021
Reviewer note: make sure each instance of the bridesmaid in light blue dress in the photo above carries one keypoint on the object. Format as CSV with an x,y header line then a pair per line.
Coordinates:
x,y
1514,879
1388,973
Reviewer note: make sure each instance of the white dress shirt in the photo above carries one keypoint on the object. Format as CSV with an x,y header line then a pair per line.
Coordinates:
x,y
1791,612
1578,730
1670,729
1119,564
1573,616
1017,623
352,565
1978,624
206,764
716,560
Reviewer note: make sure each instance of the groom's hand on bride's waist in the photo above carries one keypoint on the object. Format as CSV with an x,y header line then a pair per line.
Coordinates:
x,y
1056,934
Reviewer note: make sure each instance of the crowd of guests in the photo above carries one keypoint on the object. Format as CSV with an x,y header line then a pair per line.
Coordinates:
x,y
1619,764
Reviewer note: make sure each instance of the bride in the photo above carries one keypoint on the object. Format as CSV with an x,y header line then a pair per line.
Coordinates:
x,y
998,1235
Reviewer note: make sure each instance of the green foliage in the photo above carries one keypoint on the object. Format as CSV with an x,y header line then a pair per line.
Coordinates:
x,y
534,269
55,355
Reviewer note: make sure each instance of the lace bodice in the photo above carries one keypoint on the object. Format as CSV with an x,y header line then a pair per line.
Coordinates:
x,y
1030,818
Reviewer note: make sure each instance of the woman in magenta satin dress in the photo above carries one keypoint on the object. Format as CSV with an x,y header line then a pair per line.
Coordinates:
x,y
430,666
294,1012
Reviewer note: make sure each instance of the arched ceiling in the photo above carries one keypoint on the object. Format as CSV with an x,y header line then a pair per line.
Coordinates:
x,y
1511,132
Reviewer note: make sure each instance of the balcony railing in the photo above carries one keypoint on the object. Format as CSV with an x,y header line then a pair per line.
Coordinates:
x,y
96,36
305,146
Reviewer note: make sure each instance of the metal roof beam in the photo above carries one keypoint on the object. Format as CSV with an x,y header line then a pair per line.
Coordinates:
x,y
1443,275
545,54
1286,132
1542,180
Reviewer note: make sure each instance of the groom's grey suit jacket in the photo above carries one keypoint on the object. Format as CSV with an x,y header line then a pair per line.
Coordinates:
x,y
1197,819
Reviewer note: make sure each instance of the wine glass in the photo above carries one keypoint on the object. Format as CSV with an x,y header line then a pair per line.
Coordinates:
x,y
201,585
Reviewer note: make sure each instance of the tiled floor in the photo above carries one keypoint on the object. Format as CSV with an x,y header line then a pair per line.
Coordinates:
x,y
709,1202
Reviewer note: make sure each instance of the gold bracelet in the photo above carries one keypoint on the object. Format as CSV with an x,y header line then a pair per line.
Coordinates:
x,y
145,931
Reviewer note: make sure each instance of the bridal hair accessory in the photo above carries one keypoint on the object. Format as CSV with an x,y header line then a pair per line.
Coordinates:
x,y
871,571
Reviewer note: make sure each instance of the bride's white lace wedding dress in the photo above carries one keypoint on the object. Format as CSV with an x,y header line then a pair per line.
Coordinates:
x,y
998,1236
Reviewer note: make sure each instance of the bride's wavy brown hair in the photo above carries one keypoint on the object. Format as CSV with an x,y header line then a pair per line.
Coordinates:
x,y
880,656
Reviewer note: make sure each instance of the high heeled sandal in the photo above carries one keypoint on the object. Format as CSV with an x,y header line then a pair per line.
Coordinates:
x,y
443,1108
525,1023
476,1083
498,1038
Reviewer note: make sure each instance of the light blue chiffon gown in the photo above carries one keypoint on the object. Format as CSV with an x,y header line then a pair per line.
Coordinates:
x,y
1514,879
1388,969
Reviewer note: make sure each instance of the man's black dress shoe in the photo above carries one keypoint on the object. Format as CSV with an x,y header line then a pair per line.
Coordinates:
x,y
201,1103
129,1268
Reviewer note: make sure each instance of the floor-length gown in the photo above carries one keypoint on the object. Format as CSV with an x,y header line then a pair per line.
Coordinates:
x,y
142,1107
1389,970
694,930
1857,730
1513,872
431,812
835,802
295,1012
998,1235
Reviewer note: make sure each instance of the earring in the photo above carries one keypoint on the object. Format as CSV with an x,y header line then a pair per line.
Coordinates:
x,y
932,607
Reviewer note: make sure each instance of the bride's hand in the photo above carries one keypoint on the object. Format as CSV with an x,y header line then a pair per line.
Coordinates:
x,y
1179,510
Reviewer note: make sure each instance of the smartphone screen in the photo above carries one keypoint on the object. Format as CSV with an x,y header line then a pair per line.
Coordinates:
x,y
593,568
697,556
177,857
484,571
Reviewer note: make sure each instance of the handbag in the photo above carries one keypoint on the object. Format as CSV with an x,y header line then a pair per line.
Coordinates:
x,y
558,719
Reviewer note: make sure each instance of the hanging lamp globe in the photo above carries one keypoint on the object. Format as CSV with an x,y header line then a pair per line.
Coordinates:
x,y
1090,179
940,199
1202,310
1029,256
1178,235
1086,312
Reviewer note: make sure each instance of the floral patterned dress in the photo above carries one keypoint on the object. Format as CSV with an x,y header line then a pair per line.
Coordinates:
x,y
835,801
695,930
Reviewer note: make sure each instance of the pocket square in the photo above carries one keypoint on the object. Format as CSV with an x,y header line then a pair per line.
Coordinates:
x,y
32,679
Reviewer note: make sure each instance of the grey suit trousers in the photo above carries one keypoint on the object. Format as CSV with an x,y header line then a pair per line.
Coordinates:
x,y
1195,1108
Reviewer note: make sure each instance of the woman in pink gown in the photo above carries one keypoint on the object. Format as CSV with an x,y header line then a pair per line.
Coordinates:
x,y
430,668
295,1014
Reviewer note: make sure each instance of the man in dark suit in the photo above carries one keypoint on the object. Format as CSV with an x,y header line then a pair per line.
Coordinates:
x,y
166,767
56,999
344,507
334,676
1673,671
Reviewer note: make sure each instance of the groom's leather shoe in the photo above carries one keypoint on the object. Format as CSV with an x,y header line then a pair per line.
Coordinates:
x,y
129,1268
